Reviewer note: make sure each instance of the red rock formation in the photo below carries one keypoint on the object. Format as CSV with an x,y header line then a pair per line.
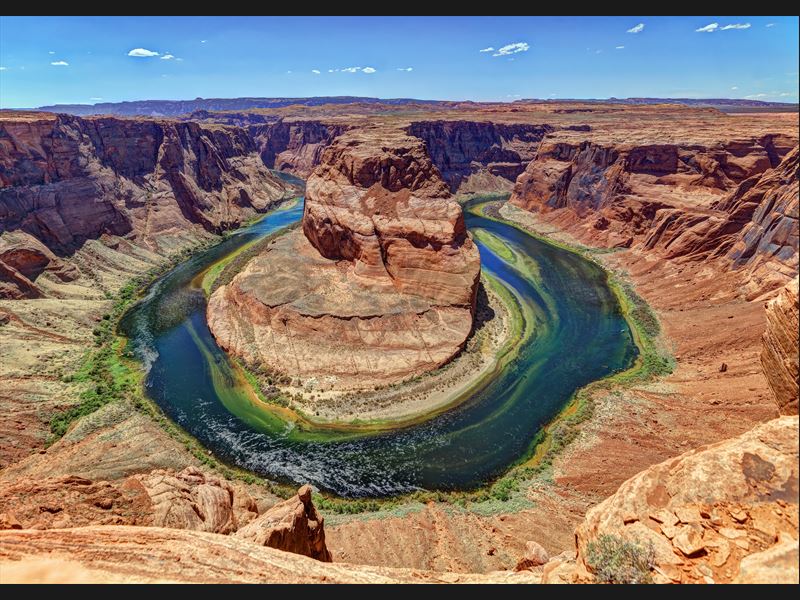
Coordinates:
x,y
294,146
189,499
64,180
666,198
779,355
462,148
382,287
119,554
22,259
123,168
293,525
706,513
192,500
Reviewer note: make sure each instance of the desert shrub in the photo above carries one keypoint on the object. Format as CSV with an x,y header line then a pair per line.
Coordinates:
x,y
614,559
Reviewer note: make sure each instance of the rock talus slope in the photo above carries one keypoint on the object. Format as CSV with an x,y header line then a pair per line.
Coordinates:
x,y
379,286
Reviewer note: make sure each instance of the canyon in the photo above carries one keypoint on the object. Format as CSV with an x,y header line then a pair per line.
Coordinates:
x,y
694,209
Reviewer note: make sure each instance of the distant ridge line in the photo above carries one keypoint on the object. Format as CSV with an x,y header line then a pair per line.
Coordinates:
x,y
172,108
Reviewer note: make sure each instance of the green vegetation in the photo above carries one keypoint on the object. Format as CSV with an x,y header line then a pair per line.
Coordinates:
x,y
105,377
614,559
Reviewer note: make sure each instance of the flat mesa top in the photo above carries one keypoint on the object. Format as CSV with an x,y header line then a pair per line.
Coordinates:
x,y
607,123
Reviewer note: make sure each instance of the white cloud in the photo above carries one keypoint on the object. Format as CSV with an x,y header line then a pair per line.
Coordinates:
x,y
287,72
620,47
60,63
754,96
51,52
3,68
784,94
367,70
95,98
315,71
330,70
512,49
734,87
736,26
708,28
142,53
351,69
770,25
406,69
203,41
167,57
636,28
179,59
489,49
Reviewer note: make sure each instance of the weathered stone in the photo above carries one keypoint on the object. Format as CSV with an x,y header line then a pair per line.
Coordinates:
x,y
535,556
293,525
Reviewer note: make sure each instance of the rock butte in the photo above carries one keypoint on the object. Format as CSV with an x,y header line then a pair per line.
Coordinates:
x,y
701,206
380,285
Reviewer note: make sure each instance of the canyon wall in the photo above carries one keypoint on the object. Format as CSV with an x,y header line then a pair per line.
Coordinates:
x,y
737,199
461,149
779,354
65,180
379,286
294,146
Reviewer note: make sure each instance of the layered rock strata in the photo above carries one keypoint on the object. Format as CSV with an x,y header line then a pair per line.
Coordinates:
x,y
460,149
294,146
65,180
779,354
379,286
737,200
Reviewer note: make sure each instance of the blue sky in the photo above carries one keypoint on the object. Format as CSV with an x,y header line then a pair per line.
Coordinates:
x,y
46,60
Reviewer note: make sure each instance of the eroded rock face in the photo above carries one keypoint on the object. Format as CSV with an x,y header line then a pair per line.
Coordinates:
x,y
294,146
188,499
293,525
706,511
380,287
155,554
462,148
191,500
22,259
779,354
668,199
65,179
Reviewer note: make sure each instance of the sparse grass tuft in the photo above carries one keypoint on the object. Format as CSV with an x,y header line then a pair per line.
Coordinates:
x,y
614,559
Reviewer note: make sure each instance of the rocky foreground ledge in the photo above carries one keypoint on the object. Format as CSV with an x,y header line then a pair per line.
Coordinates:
x,y
379,286
727,512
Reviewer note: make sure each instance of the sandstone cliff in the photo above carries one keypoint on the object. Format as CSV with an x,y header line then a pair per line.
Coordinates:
x,y
294,146
293,525
460,149
737,199
65,180
779,355
381,287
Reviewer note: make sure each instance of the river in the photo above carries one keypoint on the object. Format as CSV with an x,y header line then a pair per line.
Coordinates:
x,y
574,333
